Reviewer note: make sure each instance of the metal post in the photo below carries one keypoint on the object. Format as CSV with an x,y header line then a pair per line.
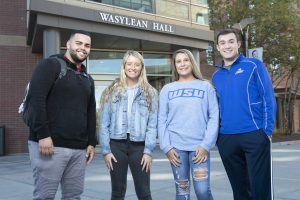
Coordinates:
x,y
246,40
2,140
241,25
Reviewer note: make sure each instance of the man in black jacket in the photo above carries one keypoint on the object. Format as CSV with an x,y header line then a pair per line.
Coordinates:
x,y
62,135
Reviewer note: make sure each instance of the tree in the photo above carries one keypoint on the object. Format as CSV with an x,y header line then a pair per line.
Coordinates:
x,y
277,30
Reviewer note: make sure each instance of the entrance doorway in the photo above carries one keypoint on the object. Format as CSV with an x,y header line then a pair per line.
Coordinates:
x,y
104,66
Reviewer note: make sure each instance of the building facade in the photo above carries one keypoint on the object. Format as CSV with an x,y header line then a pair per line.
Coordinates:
x,y
35,29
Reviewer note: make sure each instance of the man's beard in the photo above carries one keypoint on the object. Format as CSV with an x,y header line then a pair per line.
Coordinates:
x,y
74,56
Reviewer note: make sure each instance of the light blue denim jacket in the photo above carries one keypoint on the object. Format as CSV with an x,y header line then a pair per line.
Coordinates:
x,y
113,120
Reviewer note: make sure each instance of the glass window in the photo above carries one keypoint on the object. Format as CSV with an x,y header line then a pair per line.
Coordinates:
x,y
200,18
174,9
158,66
158,82
157,63
105,62
136,4
141,5
98,91
107,1
199,15
147,6
200,2
159,69
125,3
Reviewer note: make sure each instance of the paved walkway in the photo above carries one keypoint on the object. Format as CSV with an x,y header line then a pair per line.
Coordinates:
x,y
16,178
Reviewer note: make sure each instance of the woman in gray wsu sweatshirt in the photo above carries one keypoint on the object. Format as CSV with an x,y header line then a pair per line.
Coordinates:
x,y
188,122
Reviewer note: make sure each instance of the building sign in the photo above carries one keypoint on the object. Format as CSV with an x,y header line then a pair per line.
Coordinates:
x,y
256,53
136,23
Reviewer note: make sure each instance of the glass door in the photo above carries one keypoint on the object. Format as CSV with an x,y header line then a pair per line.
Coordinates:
x,y
106,65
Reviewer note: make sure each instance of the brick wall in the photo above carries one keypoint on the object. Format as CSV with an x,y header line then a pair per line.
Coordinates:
x,y
13,17
16,65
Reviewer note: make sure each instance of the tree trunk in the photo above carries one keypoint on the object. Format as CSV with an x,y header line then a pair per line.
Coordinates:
x,y
286,107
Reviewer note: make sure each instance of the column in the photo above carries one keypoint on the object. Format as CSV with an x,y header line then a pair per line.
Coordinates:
x,y
196,55
51,42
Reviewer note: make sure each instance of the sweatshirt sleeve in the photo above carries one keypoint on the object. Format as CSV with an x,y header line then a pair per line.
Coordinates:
x,y
43,78
266,91
91,126
212,127
151,132
163,134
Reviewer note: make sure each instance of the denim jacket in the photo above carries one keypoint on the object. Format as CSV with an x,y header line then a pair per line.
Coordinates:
x,y
113,120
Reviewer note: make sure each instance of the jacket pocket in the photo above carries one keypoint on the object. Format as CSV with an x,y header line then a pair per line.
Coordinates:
x,y
257,110
115,104
143,107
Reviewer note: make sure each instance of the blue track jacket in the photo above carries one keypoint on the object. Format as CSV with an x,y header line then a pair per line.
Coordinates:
x,y
246,97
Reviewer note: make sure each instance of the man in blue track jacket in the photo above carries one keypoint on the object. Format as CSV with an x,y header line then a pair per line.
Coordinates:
x,y
247,112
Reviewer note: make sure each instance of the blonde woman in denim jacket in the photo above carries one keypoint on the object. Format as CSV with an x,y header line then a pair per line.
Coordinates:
x,y
129,127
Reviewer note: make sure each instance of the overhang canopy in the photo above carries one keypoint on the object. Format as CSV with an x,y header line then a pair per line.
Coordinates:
x,y
107,34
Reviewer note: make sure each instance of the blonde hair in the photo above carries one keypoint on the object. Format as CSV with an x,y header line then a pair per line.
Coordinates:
x,y
119,84
195,68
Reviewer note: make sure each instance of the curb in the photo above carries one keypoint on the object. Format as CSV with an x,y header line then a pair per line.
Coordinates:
x,y
286,143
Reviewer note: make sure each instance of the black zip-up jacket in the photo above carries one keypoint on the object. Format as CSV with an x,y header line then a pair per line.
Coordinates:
x,y
66,110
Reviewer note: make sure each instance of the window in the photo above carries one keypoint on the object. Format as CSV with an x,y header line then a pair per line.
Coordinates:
x,y
200,18
106,1
199,15
105,62
141,5
158,66
200,2
174,9
157,63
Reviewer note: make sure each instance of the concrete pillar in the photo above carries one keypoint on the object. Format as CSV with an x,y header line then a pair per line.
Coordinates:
x,y
51,42
196,55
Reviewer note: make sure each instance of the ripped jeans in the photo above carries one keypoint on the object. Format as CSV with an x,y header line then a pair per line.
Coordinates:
x,y
200,174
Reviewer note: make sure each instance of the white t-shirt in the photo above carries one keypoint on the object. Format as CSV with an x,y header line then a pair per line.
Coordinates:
x,y
131,92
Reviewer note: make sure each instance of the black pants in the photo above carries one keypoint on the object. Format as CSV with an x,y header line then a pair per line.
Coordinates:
x,y
247,161
129,153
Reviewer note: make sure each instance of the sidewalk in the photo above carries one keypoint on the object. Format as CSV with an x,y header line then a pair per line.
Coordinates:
x,y
16,177
286,138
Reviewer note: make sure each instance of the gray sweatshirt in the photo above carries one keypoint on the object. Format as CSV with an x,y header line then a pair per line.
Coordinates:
x,y
188,116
